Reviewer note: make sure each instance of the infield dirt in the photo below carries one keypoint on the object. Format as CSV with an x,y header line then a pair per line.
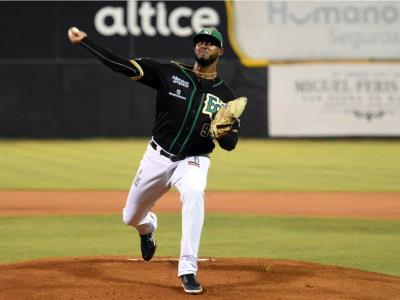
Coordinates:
x,y
124,278
354,205
222,278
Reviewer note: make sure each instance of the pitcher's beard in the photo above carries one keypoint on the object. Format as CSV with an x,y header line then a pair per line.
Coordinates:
x,y
205,61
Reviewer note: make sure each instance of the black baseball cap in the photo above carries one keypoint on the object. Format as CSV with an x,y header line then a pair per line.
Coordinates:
x,y
210,32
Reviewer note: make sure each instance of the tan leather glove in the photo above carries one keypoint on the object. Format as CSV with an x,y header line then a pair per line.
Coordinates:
x,y
227,116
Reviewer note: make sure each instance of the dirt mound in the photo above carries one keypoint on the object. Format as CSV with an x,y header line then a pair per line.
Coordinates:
x,y
222,278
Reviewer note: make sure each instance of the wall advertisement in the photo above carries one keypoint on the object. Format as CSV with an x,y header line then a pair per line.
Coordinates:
x,y
344,30
161,29
316,100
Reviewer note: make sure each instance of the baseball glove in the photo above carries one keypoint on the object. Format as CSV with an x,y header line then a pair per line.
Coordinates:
x,y
227,116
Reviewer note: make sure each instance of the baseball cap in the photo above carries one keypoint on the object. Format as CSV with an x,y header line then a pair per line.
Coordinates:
x,y
209,32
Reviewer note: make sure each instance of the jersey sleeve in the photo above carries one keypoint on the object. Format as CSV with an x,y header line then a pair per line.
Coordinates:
x,y
110,59
144,70
228,142
150,72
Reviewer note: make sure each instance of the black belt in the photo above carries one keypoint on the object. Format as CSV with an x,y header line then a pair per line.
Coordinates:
x,y
172,157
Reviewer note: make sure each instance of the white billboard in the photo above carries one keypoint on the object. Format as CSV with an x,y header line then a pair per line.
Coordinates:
x,y
315,100
263,31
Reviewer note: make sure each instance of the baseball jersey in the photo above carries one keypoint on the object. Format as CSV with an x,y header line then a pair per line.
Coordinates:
x,y
185,104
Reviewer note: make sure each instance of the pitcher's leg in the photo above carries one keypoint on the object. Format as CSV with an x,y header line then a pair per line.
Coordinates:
x,y
149,184
147,187
192,224
137,210
191,176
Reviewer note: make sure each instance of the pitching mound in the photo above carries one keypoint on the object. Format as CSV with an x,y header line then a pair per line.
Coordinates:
x,y
125,278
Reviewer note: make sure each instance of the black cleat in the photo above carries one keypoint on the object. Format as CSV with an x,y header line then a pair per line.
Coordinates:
x,y
190,284
148,246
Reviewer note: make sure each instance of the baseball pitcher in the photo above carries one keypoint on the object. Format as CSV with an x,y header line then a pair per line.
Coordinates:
x,y
194,110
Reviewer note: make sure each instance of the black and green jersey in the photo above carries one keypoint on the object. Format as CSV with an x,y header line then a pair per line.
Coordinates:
x,y
185,106
185,102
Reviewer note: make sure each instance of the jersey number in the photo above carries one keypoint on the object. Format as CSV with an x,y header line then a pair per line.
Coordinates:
x,y
205,130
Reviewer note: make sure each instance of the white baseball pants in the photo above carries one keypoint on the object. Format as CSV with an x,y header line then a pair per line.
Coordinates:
x,y
155,176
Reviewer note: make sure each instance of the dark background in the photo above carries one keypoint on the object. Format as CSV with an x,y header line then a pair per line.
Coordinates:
x,y
50,88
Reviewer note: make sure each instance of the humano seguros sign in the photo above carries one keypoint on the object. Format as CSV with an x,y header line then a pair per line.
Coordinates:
x,y
307,30
150,18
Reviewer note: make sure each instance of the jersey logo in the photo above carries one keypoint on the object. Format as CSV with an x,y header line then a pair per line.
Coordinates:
x,y
177,94
212,104
180,82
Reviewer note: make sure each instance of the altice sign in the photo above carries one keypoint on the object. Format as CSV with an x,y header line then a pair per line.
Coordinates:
x,y
291,30
148,18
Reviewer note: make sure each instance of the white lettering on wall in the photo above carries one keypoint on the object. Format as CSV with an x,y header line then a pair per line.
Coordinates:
x,y
174,18
150,20
162,25
117,27
146,12
330,13
204,17
348,30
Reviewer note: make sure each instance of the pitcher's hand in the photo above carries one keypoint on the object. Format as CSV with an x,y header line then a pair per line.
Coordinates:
x,y
75,35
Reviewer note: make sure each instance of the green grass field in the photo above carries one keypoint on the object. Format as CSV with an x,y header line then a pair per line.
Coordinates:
x,y
372,245
256,165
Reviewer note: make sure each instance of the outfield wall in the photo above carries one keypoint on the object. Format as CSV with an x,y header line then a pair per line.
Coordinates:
x,y
334,66
50,88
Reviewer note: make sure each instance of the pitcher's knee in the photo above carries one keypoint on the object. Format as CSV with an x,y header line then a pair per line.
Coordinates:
x,y
129,219
126,219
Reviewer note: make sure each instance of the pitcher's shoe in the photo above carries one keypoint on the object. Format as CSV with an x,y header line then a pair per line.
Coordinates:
x,y
148,246
190,284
